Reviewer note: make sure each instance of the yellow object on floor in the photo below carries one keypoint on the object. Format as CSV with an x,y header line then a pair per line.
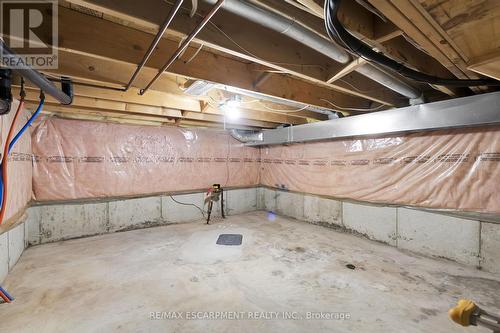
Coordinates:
x,y
461,314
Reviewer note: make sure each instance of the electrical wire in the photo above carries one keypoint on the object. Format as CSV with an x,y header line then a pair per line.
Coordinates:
x,y
244,49
263,105
284,111
337,32
194,7
4,297
357,89
353,109
228,170
257,57
195,54
188,204
185,50
3,291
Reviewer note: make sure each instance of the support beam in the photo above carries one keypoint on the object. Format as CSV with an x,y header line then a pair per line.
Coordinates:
x,y
347,69
124,103
93,115
313,7
478,110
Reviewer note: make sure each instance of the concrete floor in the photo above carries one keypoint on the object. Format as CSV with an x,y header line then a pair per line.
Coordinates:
x,y
113,282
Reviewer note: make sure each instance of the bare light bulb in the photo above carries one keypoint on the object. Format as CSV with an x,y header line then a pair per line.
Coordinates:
x,y
231,110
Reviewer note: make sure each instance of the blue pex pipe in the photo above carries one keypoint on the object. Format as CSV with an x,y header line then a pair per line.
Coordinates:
x,y
6,294
17,137
28,123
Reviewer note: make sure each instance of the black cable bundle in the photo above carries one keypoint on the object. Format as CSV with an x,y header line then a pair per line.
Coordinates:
x,y
339,34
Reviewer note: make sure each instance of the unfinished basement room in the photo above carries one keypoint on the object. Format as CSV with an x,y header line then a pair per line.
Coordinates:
x,y
250,166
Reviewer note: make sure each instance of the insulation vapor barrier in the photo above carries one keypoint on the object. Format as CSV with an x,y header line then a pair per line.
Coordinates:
x,y
452,169
18,168
76,159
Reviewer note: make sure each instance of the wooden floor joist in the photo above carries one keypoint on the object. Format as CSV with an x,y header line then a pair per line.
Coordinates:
x,y
267,48
409,19
157,107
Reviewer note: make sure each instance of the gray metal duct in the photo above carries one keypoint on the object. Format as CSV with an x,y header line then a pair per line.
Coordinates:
x,y
478,110
298,32
201,88
285,26
279,100
389,81
246,136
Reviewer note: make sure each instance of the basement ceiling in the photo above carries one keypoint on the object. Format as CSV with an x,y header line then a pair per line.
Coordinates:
x,y
102,41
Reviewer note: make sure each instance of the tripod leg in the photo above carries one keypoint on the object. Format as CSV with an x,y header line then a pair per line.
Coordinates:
x,y
222,203
209,211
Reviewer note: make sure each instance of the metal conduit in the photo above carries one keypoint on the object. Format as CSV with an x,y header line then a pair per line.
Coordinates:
x,y
155,42
291,29
185,44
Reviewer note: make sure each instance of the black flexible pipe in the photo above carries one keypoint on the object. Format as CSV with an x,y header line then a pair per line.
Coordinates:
x,y
339,34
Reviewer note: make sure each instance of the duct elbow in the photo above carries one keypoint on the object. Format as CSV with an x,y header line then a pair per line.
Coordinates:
x,y
247,136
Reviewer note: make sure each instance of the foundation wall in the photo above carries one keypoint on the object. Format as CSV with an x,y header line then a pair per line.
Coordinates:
x,y
60,221
14,241
470,242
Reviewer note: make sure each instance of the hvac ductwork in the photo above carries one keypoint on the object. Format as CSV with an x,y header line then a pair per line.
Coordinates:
x,y
283,101
389,81
287,27
247,136
464,112
298,32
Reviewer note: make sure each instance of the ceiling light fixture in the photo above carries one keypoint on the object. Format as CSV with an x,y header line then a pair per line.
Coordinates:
x,y
231,107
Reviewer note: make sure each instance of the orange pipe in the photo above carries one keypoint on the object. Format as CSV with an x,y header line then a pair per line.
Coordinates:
x,y
5,298
5,159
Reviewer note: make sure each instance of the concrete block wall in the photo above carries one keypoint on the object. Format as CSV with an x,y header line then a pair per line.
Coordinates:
x,y
57,222
466,241
13,243
470,242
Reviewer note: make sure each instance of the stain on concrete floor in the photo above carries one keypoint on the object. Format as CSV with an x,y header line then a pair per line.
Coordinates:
x,y
112,283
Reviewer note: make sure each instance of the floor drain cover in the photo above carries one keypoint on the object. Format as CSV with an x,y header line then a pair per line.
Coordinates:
x,y
229,239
